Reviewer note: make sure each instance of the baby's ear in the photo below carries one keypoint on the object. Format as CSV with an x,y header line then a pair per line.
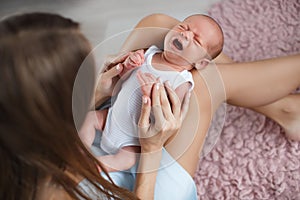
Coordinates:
x,y
202,64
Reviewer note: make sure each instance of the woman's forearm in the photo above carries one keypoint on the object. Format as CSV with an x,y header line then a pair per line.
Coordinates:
x,y
147,172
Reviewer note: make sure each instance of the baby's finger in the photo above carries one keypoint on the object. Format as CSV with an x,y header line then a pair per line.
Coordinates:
x,y
145,78
132,63
148,81
138,57
150,77
135,58
140,51
140,78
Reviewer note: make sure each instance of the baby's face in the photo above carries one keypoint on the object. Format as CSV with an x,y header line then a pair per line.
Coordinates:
x,y
192,39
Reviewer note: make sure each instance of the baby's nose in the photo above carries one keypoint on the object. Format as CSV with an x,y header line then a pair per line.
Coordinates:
x,y
187,34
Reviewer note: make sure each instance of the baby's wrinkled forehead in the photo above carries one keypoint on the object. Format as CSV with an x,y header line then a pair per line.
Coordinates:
x,y
204,23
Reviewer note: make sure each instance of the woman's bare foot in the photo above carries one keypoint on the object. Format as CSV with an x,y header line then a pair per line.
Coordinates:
x,y
291,117
286,112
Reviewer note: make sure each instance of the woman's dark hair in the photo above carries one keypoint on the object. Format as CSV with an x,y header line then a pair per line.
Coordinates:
x,y
40,55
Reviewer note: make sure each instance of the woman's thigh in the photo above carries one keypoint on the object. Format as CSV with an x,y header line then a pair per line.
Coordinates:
x,y
243,84
186,146
262,82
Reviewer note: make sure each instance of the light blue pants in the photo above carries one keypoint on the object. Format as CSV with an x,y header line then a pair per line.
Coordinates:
x,y
172,181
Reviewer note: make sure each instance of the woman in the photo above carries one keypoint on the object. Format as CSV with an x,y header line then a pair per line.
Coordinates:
x,y
42,155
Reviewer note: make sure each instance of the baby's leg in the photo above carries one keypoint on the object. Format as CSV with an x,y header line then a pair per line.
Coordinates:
x,y
95,120
124,159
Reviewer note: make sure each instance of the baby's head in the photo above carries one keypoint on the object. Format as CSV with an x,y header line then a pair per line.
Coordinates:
x,y
198,39
209,31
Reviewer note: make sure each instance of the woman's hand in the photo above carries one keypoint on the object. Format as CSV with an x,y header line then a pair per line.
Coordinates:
x,y
108,79
116,66
168,117
153,135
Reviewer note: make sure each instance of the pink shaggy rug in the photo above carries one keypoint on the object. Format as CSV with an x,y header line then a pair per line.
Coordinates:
x,y
252,159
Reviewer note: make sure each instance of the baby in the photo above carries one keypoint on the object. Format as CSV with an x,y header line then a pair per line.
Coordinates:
x,y
190,44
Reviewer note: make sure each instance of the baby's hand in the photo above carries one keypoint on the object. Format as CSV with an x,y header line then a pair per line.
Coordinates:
x,y
134,59
146,81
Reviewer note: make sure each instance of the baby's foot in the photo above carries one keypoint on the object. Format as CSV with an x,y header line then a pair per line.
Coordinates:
x,y
135,59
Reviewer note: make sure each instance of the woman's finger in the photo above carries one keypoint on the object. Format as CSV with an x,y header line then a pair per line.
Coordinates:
x,y
166,107
174,100
113,60
156,95
114,71
120,58
145,113
156,107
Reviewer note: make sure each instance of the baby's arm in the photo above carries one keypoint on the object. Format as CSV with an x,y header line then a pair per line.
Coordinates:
x,y
124,159
134,60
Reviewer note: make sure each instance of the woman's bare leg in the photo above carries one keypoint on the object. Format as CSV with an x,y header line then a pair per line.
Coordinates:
x,y
265,87
187,144
286,112
258,85
262,82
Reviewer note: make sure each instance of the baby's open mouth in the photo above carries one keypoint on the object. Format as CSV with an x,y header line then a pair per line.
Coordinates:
x,y
177,44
